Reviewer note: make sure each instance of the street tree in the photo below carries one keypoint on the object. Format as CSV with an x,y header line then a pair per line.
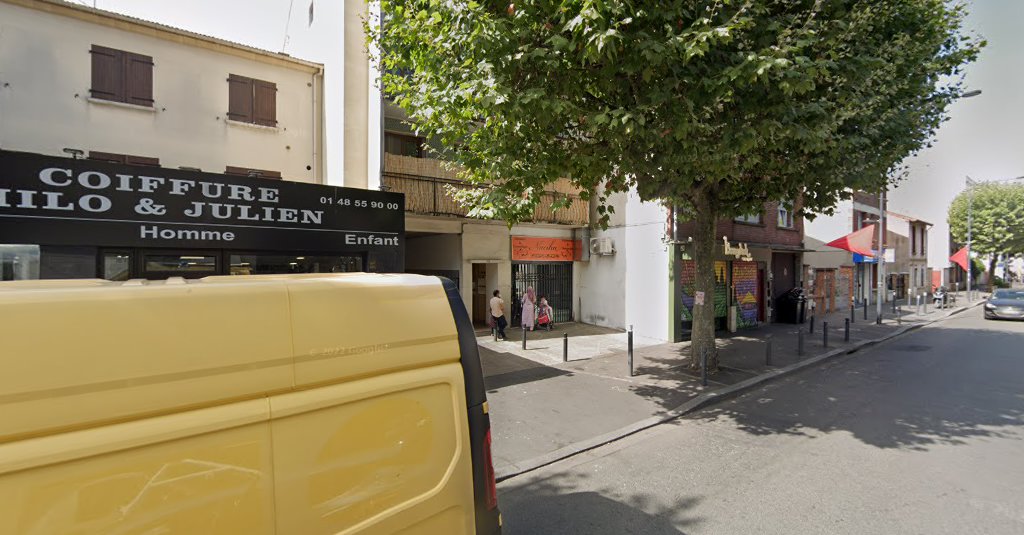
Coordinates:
x,y
712,106
997,220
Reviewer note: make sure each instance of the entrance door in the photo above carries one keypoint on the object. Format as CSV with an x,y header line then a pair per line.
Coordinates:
x,y
155,264
480,300
552,280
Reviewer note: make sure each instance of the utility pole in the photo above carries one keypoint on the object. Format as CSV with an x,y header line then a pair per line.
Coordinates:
x,y
970,207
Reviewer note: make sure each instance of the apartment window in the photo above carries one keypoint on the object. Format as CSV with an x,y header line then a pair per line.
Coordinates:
x,y
256,173
252,101
121,76
751,219
785,215
403,145
128,159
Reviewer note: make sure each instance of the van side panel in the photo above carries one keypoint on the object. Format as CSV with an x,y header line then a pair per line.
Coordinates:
x,y
348,327
203,471
376,455
74,357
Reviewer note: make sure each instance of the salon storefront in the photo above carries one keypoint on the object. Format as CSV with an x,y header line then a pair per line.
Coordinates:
x,y
68,218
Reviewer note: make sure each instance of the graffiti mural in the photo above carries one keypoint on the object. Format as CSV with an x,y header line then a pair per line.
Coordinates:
x,y
744,283
687,283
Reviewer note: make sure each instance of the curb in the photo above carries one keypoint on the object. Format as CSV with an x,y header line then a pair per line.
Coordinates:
x,y
701,401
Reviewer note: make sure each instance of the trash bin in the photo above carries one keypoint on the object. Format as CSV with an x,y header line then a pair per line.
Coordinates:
x,y
791,306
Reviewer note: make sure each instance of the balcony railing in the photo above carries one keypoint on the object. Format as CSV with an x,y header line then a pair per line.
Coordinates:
x,y
430,195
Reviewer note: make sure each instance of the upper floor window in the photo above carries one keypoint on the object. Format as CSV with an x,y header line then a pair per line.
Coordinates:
x,y
403,144
753,219
121,76
255,173
252,101
785,215
123,158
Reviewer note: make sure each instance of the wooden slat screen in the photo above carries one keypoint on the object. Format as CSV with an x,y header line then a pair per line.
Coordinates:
x,y
107,73
265,107
240,98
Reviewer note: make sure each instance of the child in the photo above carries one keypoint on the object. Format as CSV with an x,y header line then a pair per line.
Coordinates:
x,y
544,313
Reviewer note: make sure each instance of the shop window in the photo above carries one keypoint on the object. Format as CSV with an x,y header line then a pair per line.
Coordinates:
x,y
19,262
403,144
252,101
751,219
250,172
123,158
258,264
785,215
163,265
116,265
121,76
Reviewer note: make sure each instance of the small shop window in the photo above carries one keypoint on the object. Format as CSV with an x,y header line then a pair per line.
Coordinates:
x,y
116,265
19,262
260,264
180,265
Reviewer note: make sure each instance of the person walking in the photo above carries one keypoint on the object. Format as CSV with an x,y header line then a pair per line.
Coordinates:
x,y
529,312
498,313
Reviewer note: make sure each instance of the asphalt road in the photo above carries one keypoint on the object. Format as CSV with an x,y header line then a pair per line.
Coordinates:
x,y
922,434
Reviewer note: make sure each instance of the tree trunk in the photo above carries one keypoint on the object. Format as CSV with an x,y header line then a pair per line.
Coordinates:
x,y
702,338
992,272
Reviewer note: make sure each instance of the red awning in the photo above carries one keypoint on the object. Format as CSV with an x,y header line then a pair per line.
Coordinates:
x,y
859,242
960,258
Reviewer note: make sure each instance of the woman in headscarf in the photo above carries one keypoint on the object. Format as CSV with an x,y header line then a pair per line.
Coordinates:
x,y
529,310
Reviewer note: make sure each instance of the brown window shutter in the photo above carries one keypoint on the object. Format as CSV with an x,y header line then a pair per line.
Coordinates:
x,y
265,109
107,157
139,80
142,160
240,98
107,74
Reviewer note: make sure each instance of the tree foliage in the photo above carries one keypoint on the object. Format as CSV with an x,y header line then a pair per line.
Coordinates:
x,y
714,106
997,218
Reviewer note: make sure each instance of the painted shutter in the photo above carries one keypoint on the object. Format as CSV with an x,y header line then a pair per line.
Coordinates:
x,y
139,80
266,103
240,98
107,74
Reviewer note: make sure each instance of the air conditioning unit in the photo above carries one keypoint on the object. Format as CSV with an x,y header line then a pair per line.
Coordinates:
x,y
602,246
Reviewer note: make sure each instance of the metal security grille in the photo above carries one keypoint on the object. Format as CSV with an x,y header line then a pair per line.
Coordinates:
x,y
552,280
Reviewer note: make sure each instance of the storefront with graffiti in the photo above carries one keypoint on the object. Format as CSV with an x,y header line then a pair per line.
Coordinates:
x,y
741,286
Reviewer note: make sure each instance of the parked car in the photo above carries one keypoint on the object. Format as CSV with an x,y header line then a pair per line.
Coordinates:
x,y
1005,304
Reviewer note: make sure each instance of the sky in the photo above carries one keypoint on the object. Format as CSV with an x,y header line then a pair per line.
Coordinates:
x,y
982,138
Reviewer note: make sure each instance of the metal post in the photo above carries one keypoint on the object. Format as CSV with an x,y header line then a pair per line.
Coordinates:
x,y
704,368
899,316
800,342
565,347
853,315
812,324
524,338
494,331
768,350
894,304
846,332
865,310
629,349
824,333
970,208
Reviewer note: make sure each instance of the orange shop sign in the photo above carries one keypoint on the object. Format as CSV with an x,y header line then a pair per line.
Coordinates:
x,y
543,249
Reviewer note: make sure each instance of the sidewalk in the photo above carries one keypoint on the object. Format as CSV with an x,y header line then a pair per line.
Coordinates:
x,y
543,409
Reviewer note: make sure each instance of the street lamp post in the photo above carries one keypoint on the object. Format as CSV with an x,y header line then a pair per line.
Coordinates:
x,y
881,256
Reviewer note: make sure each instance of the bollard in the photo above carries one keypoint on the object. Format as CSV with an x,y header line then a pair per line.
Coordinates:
x,y
865,310
899,316
800,342
878,320
853,314
846,332
629,349
565,347
768,350
894,304
704,368
824,333
812,324
494,331
524,338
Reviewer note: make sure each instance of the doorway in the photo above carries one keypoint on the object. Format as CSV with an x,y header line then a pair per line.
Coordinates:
x,y
480,298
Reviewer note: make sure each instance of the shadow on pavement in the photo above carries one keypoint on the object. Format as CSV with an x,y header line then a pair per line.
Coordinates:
x,y
939,386
506,369
548,507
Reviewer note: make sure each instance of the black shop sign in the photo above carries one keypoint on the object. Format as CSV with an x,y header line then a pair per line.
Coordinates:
x,y
61,201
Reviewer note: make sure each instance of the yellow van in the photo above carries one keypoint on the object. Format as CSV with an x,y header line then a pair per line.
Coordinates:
x,y
306,404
